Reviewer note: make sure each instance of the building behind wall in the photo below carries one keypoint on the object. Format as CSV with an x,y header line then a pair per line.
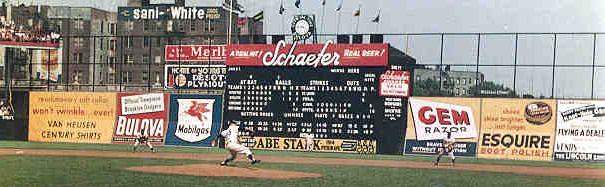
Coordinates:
x,y
85,58
250,30
454,83
102,52
88,43
141,50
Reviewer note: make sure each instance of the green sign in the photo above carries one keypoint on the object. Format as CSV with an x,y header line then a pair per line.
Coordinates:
x,y
168,13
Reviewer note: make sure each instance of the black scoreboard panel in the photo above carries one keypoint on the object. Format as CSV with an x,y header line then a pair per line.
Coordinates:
x,y
330,103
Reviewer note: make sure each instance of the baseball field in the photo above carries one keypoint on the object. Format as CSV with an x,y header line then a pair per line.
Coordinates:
x,y
45,164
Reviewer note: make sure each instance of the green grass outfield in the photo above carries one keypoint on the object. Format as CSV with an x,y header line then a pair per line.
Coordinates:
x,y
82,171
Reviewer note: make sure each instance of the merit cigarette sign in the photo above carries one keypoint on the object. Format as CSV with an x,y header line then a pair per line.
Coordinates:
x,y
195,53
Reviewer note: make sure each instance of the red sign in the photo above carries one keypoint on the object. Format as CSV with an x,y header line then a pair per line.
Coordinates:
x,y
242,21
194,53
42,45
141,113
395,84
314,55
433,119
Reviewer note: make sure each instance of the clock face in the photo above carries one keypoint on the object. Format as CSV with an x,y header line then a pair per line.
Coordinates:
x,y
302,27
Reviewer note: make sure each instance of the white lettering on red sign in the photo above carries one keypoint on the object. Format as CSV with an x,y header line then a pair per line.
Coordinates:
x,y
302,59
432,120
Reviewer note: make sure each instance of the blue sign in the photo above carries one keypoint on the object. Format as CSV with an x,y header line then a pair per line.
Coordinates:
x,y
194,120
574,156
432,147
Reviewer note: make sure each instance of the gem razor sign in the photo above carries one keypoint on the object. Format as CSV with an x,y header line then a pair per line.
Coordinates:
x,y
433,119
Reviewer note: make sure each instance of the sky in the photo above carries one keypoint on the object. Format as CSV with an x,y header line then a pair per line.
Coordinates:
x,y
456,16
411,16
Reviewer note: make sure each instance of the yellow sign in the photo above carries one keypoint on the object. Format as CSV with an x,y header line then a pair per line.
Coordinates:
x,y
517,129
73,117
319,145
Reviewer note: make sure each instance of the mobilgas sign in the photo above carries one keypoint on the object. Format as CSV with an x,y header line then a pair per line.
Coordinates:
x,y
168,13
194,120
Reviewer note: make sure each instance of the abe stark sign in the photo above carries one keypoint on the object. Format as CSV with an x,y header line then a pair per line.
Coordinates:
x,y
432,120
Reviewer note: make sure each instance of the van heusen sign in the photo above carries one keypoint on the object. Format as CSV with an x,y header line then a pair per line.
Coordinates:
x,y
168,13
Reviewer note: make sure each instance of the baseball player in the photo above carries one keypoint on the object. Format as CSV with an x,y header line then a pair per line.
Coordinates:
x,y
448,148
142,139
232,144
309,141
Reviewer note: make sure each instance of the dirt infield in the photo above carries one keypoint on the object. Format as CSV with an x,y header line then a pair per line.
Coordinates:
x,y
220,171
582,173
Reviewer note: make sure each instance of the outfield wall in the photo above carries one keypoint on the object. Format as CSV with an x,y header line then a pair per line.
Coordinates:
x,y
516,129
425,128
118,118
17,129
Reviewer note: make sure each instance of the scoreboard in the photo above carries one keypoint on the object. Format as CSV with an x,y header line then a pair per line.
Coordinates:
x,y
286,102
329,102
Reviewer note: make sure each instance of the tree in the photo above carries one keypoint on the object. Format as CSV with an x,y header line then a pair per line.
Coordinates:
x,y
428,87
491,89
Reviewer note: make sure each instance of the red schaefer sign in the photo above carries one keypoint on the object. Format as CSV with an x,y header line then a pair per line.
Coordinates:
x,y
194,53
313,55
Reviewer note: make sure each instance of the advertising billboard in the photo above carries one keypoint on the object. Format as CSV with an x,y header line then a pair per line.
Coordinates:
x,y
141,113
195,76
166,12
517,129
195,53
430,118
395,84
74,117
47,64
580,130
313,55
195,120
319,145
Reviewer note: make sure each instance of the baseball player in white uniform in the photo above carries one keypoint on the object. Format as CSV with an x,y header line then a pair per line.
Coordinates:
x,y
309,141
232,144
142,139
448,148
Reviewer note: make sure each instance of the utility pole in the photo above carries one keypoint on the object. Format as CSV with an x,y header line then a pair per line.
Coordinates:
x,y
230,21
